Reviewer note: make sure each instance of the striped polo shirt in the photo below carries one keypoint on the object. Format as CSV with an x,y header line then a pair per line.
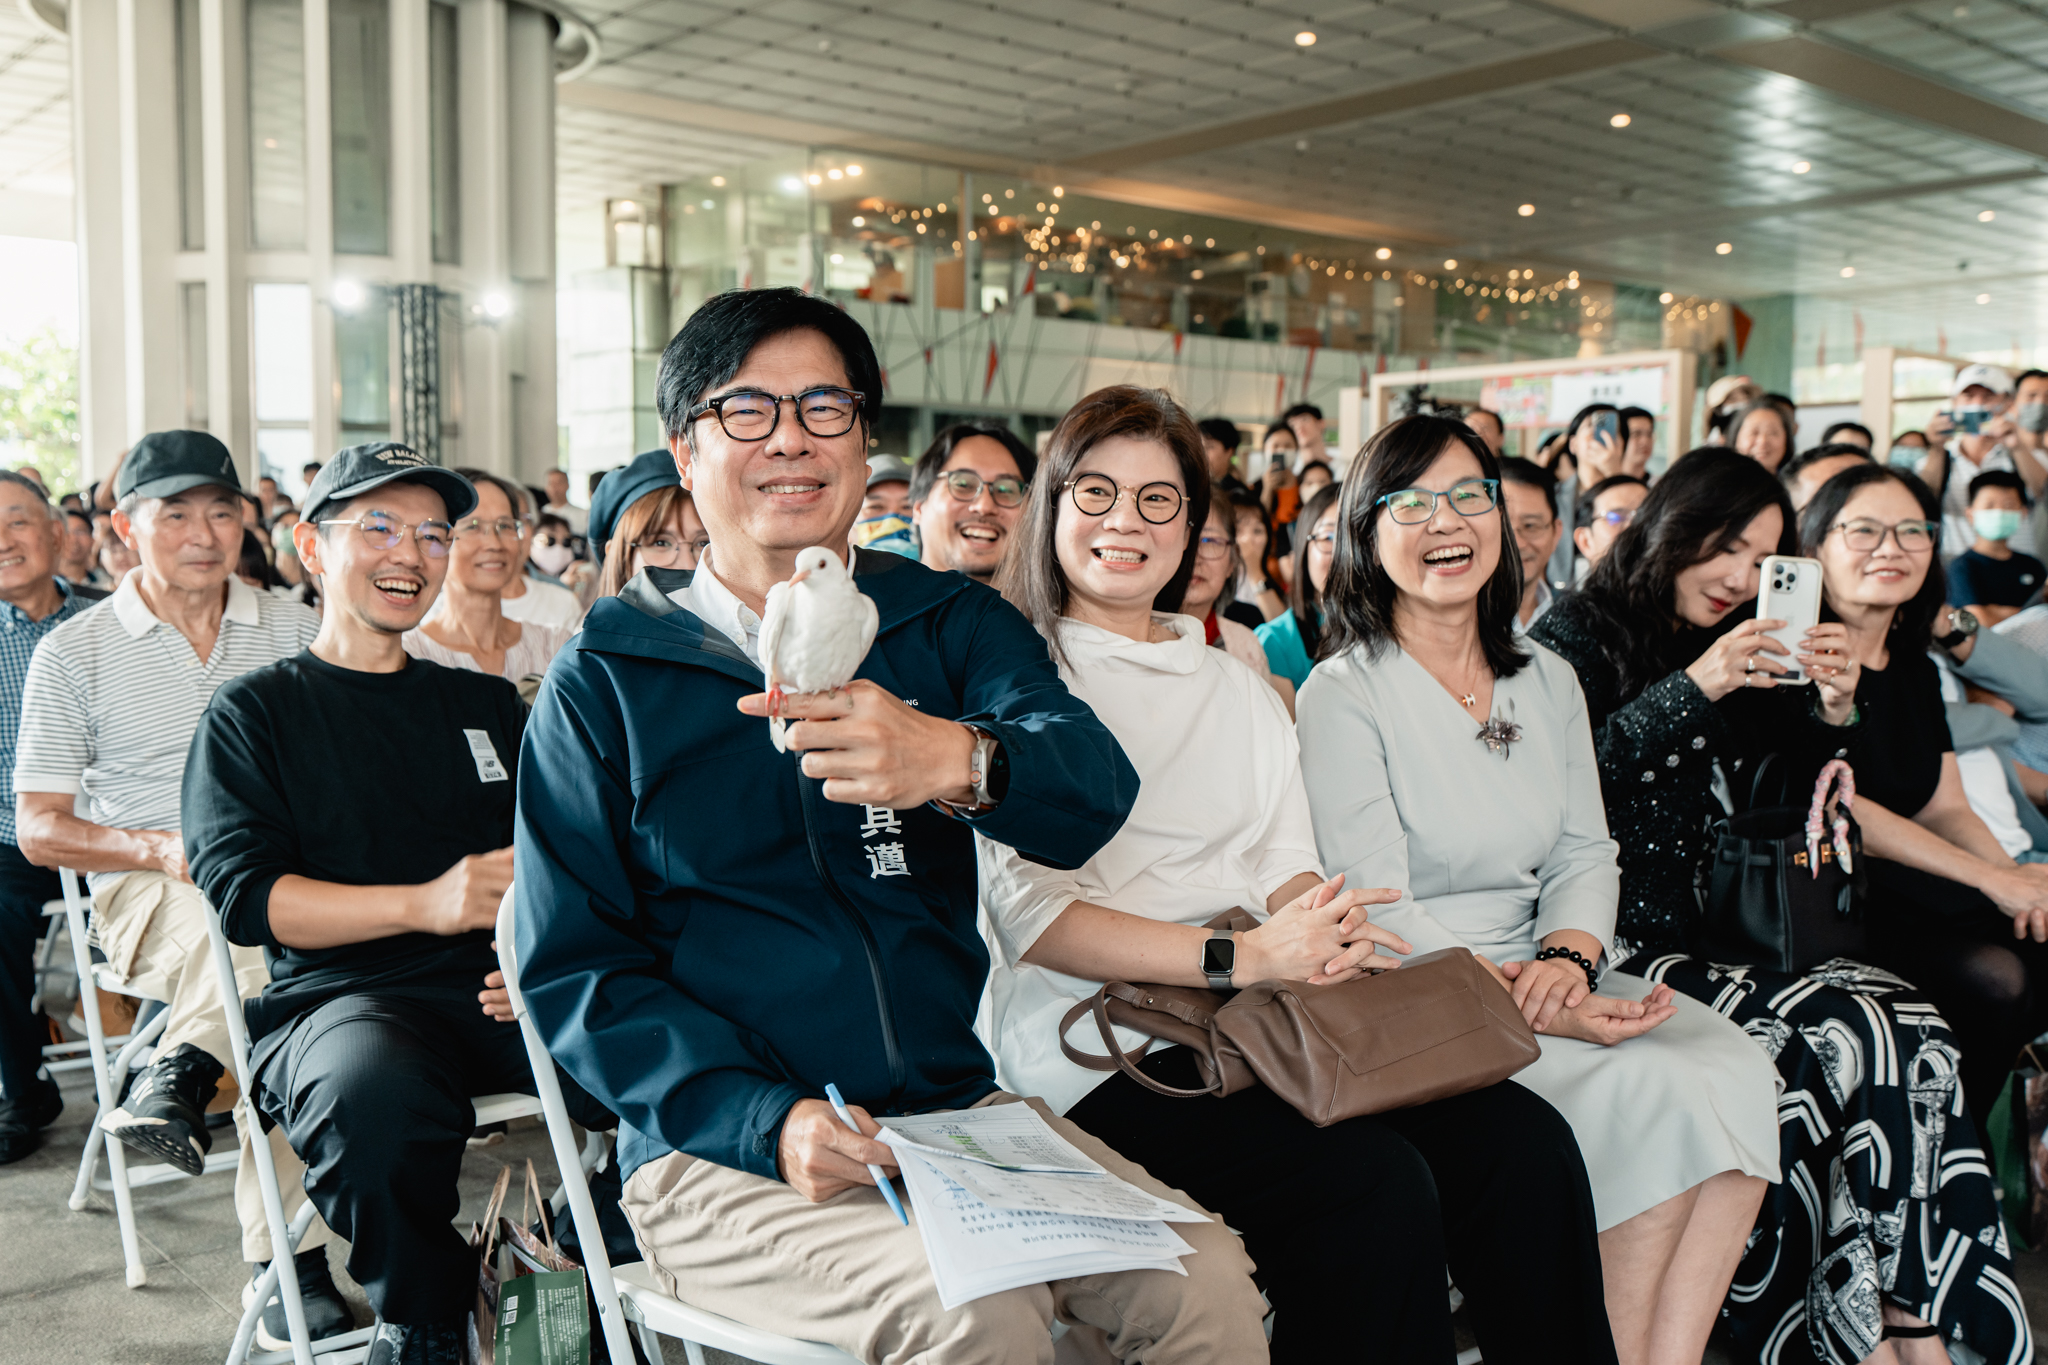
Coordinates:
x,y
114,696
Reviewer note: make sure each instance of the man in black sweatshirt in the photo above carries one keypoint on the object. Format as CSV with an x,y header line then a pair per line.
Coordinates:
x,y
349,810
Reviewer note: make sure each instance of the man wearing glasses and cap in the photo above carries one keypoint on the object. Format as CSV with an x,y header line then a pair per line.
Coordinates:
x,y
108,711
1976,435
967,494
349,810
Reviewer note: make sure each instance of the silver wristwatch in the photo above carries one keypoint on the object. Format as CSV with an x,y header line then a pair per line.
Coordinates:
x,y
979,765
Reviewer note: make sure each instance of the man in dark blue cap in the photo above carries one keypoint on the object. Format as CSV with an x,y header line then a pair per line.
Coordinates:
x,y
349,810
108,711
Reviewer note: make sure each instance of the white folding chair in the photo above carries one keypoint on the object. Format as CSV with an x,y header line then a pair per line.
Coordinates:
x,y
282,1278
107,1080
74,1055
629,1292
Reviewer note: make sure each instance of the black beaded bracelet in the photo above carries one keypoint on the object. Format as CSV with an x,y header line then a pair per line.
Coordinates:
x,y
1585,964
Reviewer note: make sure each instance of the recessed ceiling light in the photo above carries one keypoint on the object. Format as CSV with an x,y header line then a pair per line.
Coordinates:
x,y
1620,121
1723,248
834,174
628,206
815,178
1664,298
1304,39
853,170
718,181
1801,167
1384,253
1450,265
858,221
1526,209
1983,298
1848,272
1986,216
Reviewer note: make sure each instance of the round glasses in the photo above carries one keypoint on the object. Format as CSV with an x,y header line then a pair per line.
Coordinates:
x,y
1468,497
665,551
504,528
750,415
1095,494
965,485
381,532
1914,537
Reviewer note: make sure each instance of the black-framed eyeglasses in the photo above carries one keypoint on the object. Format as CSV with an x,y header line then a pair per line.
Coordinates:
x,y
663,550
504,528
965,485
751,415
1469,498
382,532
1914,537
1095,494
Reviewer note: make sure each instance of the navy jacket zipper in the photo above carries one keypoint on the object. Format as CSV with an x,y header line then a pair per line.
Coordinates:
x,y
898,1076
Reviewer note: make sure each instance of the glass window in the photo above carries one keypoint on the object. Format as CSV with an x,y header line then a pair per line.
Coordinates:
x,y
191,158
362,363
277,124
360,39
192,303
282,339
443,133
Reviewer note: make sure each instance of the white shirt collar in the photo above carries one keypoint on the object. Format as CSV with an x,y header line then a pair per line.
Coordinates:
x,y
717,607
1544,600
243,607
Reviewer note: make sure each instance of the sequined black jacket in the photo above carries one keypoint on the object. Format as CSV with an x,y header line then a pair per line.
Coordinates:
x,y
1657,751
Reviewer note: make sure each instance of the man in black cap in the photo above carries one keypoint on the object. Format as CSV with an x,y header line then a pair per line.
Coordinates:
x,y
108,710
349,810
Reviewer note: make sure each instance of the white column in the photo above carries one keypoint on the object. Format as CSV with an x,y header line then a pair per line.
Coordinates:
x,y
483,110
530,235
412,174
96,200
150,222
325,423
224,138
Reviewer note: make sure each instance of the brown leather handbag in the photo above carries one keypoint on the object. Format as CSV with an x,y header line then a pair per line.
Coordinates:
x,y
1439,1025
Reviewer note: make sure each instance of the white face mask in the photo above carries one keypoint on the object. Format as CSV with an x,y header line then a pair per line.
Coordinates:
x,y
552,559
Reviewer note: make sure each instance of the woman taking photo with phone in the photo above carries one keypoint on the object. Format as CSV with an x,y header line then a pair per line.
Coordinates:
x,y
1352,1225
1443,760
1683,692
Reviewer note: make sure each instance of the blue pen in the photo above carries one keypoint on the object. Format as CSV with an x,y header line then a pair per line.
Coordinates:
x,y
838,1103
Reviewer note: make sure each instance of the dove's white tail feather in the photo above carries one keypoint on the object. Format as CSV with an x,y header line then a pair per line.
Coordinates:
x,y
777,728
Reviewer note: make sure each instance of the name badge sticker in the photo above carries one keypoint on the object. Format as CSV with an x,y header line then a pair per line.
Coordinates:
x,y
488,768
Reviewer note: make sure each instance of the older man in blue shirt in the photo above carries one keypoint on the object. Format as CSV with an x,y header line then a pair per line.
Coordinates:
x,y
33,602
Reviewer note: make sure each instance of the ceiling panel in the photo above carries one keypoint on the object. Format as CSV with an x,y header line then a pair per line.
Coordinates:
x,y
1997,48
35,107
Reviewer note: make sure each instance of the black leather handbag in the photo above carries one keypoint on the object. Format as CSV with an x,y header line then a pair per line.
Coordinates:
x,y
1784,889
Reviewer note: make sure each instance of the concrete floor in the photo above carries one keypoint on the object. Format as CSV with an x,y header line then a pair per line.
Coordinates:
x,y
63,1299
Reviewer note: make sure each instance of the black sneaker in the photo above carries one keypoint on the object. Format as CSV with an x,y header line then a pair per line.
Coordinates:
x,y
438,1343
22,1121
165,1112
327,1313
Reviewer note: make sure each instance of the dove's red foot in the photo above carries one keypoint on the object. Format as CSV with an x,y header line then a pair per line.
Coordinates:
x,y
775,698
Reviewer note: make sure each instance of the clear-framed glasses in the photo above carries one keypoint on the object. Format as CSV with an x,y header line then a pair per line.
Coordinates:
x,y
1212,547
382,531
1914,537
1469,498
504,528
1095,494
965,485
666,550
751,415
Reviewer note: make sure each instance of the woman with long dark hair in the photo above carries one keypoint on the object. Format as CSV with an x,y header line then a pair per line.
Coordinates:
x,y
1681,690
1293,638
1443,760
1352,1225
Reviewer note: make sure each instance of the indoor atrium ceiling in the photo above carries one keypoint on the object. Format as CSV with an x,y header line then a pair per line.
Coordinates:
x,y
1811,137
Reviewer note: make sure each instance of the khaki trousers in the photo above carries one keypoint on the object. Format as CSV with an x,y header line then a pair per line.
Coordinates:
x,y
845,1272
153,931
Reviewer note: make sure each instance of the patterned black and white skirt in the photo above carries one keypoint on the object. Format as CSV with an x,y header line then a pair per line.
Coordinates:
x,y
1886,1192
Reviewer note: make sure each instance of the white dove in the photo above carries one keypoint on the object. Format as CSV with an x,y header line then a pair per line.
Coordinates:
x,y
816,630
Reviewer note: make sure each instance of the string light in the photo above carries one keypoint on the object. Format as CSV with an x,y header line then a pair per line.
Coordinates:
x,y
1384,253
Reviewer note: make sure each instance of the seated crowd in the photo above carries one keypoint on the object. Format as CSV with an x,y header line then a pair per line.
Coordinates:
x,y
1121,685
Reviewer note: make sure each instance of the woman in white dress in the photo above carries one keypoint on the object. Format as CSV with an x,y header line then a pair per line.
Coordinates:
x,y
1442,759
467,627
1353,1225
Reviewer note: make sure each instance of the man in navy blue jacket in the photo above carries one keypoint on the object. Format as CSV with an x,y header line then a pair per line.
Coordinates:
x,y
711,931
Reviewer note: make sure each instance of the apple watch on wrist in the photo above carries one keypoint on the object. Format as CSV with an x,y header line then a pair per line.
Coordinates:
x,y
1219,959
988,774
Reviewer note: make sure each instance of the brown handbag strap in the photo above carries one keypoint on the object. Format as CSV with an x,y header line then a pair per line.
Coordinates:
x,y
1118,1059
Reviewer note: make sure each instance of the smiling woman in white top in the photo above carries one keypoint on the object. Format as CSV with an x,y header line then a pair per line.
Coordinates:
x,y
1444,758
1352,1225
467,627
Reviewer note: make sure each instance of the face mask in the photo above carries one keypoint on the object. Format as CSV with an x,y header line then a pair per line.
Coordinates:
x,y
552,559
2032,417
1995,523
1906,456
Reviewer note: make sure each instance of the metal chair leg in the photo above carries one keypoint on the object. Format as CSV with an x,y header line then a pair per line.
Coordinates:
x,y
89,1000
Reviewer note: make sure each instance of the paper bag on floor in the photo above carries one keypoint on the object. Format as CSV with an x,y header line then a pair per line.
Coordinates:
x,y
483,1316
543,1300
